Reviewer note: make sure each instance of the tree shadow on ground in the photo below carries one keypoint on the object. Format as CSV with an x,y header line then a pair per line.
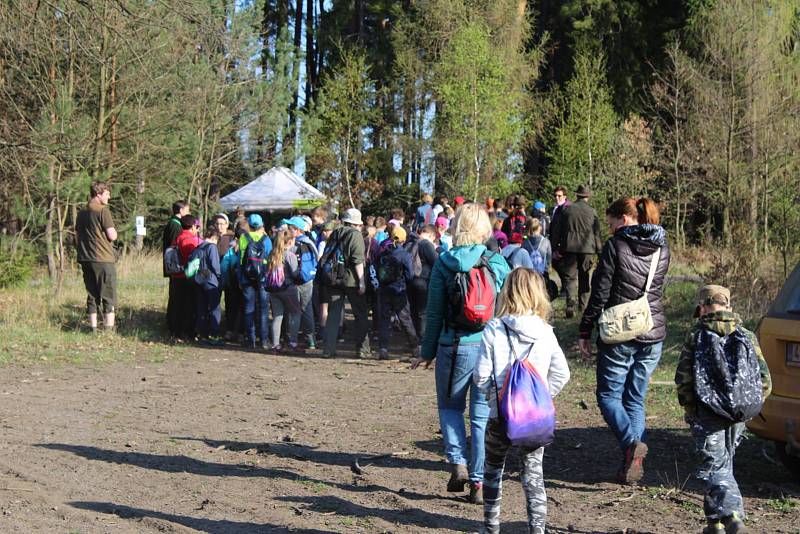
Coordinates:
x,y
185,464
590,456
410,516
305,453
211,526
141,323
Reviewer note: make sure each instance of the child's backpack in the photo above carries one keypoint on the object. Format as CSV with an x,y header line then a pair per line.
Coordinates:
x,y
172,260
416,261
275,279
331,270
537,258
524,404
196,267
390,270
307,262
727,377
517,227
471,297
255,260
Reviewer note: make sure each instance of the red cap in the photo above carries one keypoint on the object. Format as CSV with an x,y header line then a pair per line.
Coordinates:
x,y
459,201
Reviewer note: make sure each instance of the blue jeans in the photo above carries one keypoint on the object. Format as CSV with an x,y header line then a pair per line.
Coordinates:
x,y
209,311
457,381
623,374
256,298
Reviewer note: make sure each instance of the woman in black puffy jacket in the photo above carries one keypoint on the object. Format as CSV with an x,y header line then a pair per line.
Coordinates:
x,y
624,369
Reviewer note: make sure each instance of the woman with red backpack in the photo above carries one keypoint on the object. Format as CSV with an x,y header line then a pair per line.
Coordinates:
x,y
463,287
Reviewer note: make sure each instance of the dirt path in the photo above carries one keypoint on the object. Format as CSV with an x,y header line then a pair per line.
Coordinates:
x,y
232,442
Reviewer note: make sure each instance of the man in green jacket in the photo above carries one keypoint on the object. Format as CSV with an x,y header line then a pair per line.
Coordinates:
x,y
350,244
576,241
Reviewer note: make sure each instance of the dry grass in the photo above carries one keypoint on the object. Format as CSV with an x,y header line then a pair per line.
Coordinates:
x,y
40,325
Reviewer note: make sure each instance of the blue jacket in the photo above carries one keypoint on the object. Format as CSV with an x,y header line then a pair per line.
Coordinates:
x,y
517,256
457,259
209,257
229,267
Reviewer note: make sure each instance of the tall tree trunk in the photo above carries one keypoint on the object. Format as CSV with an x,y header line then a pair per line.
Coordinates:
x,y
102,91
310,57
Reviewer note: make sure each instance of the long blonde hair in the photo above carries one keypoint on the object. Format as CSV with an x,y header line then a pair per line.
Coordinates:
x,y
524,293
283,242
470,226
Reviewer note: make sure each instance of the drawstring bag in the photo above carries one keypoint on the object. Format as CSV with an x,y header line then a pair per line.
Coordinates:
x,y
524,404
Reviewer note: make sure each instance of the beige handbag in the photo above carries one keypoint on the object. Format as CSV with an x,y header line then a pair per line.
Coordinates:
x,y
629,320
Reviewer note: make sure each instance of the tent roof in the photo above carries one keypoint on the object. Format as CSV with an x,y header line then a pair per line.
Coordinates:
x,y
277,189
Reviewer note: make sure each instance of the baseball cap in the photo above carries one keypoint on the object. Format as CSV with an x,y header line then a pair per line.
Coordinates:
x,y
442,222
539,205
458,200
295,221
712,294
255,221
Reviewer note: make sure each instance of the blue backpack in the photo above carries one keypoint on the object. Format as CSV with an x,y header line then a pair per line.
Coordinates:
x,y
307,260
537,259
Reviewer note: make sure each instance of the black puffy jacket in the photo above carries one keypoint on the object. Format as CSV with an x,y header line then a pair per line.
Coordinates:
x,y
621,276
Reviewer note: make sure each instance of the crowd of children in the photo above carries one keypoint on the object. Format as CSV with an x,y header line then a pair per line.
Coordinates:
x,y
438,277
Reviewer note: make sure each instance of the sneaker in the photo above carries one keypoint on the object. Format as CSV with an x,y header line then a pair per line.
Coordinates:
x,y
734,524
475,492
633,470
714,527
312,345
383,354
459,476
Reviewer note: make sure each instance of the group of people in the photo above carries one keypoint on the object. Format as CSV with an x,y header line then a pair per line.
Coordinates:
x,y
469,287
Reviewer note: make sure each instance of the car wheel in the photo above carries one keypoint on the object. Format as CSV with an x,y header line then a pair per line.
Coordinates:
x,y
791,462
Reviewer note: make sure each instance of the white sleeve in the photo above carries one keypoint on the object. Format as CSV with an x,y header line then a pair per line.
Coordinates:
x,y
558,373
482,374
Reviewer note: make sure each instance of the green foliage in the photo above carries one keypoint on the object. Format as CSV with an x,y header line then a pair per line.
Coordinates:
x,y
582,144
17,262
335,131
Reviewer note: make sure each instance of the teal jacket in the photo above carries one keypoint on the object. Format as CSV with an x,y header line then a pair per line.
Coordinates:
x,y
457,259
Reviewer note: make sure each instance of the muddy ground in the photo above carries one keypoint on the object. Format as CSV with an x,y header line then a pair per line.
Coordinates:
x,y
224,441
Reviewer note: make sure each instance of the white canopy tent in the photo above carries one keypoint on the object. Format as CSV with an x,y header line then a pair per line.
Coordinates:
x,y
277,189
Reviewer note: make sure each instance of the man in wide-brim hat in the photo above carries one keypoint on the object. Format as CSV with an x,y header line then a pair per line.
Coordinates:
x,y
576,241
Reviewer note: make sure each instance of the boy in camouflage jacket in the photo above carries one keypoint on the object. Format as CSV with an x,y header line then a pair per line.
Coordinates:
x,y
716,438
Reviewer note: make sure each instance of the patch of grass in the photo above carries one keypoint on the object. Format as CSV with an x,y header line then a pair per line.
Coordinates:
x,y
42,326
783,505
314,485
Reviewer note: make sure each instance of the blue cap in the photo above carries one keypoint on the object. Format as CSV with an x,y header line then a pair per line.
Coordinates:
x,y
255,221
297,221
539,205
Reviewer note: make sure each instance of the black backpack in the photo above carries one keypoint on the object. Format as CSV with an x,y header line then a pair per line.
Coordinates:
x,y
416,261
331,271
727,377
255,260
390,270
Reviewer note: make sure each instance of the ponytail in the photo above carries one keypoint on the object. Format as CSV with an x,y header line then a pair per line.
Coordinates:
x,y
647,211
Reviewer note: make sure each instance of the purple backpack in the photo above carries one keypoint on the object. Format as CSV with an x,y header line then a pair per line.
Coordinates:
x,y
524,403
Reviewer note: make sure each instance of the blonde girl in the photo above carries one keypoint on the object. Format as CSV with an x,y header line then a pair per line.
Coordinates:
x,y
520,329
286,299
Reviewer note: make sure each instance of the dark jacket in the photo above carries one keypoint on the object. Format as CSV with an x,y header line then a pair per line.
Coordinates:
x,y
171,232
577,230
557,211
621,276
209,257
400,257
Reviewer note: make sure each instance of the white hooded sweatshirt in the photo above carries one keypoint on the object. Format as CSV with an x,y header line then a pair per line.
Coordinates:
x,y
526,332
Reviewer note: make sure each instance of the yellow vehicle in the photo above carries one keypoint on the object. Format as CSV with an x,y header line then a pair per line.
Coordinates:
x,y
779,336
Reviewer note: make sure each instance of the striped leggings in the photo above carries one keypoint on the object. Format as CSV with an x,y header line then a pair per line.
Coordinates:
x,y
497,447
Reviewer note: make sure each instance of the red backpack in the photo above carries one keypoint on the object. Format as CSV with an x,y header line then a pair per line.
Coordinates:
x,y
472,297
517,226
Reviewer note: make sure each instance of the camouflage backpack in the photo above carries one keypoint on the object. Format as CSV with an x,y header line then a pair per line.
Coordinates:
x,y
727,377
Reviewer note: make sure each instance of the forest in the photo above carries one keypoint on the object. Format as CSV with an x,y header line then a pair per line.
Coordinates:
x,y
695,103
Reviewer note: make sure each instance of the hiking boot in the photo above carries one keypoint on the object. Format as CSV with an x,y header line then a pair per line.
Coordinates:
x,y
714,527
633,470
475,492
383,354
734,524
459,476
